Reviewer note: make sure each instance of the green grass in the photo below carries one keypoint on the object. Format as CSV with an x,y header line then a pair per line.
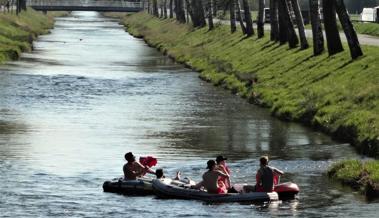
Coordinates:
x,y
17,32
371,29
334,94
358,174
347,171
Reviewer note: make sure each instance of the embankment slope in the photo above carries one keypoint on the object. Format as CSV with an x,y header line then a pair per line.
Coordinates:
x,y
18,32
333,94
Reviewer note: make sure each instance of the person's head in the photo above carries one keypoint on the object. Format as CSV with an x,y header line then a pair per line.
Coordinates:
x,y
264,160
159,173
130,157
211,164
221,159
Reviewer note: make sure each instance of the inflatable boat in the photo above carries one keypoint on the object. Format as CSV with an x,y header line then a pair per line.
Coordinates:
x,y
286,191
166,189
141,186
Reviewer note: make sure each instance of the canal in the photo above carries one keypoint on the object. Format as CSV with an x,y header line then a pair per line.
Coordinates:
x,y
89,92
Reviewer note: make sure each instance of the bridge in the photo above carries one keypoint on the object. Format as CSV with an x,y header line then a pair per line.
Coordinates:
x,y
87,5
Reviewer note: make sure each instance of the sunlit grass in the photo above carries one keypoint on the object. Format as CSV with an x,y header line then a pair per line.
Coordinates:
x,y
359,174
371,29
348,170
367,28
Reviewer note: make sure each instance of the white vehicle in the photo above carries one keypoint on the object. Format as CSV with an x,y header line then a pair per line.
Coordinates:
x,y
370,14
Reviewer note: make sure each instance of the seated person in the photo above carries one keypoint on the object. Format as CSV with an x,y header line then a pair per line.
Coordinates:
x,y
132,169
266,177
160,175
221,166
210,179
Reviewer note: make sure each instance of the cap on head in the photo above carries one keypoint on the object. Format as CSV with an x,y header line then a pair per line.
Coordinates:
x,y
264,160
220,158
211,164
129,156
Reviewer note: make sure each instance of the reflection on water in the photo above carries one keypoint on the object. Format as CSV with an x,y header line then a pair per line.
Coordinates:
x,y
90,92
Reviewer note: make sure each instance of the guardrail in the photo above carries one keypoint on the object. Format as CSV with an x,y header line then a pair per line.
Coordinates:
x,y
86,3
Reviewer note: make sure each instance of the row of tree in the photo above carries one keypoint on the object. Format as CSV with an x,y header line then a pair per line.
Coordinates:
x,y
20,5
353,6
284,16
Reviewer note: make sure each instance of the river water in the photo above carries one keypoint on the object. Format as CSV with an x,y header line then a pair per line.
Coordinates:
x,y
90,92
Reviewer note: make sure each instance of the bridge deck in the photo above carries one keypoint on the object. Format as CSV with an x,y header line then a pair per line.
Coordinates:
x,y
86,8
88,5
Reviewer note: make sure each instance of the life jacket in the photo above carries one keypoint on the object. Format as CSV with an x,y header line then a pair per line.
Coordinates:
x,y
223,182
266,177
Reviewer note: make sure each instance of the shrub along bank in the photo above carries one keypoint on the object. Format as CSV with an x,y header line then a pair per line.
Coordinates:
x,y
362,176
18,32
333,94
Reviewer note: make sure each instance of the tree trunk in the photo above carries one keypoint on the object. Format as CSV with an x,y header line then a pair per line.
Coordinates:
x,y
274,33
292,37
331,30
171,9
318,38
210,16
161,9
351,35
148,7
248,20
198,14
283,29
23,5
176,9
189,11
155,8
232,11
300,24
180,13
240,18
17,6
260,19
215,7
165,9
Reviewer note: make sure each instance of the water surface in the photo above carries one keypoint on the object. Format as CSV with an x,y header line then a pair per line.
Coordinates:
x,y
90,92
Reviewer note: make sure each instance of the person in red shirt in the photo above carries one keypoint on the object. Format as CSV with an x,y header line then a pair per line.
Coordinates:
x,y
221,166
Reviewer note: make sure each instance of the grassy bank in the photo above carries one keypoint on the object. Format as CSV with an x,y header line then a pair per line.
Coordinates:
x,y
371,29
333,94
18,32
362,176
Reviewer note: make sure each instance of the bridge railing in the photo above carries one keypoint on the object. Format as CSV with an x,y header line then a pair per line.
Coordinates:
x,y
86,3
